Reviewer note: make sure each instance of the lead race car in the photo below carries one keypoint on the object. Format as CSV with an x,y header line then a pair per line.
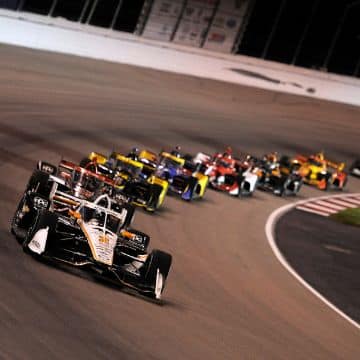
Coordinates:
x,y
54,224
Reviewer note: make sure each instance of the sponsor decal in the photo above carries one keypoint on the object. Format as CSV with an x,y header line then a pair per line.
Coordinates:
x,y
231,23
216,37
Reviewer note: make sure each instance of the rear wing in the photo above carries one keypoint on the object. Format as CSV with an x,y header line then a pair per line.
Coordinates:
x,y
98,158
176,159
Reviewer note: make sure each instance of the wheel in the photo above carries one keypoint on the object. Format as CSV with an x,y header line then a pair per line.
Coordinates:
x,y
191,191
156,270
129,215
16,219
154,202
39,183
39,237
240,181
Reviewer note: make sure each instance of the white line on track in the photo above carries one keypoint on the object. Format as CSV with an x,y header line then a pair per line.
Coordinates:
x,y
320,208
330,205
342,202
269,231
317,212
353,201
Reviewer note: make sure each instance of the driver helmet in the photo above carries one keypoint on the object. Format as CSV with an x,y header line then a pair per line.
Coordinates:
x,y
228,153
320,156
272,157
176,151
134,153
93,222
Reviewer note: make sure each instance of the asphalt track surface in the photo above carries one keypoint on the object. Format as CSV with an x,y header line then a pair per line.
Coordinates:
x,y
326,254
227,296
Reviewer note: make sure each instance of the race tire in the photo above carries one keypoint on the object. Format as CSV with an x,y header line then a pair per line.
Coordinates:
x,y
129,216
239,180
157,260
14,226
38,183
155,197
43,220
193,182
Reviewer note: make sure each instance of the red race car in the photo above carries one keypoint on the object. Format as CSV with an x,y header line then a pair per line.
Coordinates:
x,y
227,173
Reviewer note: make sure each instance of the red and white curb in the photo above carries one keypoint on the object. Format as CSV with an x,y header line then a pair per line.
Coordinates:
x,y
330,205
270,234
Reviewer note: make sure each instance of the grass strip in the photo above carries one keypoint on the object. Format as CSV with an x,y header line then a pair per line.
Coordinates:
x,y
348,216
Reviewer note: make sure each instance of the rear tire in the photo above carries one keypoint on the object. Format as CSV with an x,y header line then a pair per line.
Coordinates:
x,y
155,198
193,182
39,183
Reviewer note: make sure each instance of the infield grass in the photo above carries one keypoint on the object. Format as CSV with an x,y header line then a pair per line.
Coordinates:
x,y
348,216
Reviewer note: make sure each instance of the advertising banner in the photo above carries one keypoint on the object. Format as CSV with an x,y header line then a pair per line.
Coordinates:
x,y
195,22
163,17
226,25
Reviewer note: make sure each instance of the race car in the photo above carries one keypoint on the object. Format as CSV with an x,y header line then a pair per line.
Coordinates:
x,y
278,175
135,178
79,181
355,168
183,176
320,172
94,235
228,174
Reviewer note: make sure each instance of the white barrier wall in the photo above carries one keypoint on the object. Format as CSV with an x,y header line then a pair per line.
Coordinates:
x,y
58,35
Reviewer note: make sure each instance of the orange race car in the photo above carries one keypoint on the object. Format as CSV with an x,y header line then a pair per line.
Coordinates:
x,y
318,171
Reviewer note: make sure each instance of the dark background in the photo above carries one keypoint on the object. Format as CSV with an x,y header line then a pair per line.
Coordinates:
x,y
305,34
317,34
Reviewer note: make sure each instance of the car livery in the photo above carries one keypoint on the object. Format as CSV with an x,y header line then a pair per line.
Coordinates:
x,y
228,174
324,174
136,179
183,176
94,235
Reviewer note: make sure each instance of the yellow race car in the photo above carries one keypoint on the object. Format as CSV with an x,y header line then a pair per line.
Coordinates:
x,y
134,178
316,170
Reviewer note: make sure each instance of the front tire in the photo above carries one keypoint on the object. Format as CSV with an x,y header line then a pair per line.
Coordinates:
x,y
157,263
44,220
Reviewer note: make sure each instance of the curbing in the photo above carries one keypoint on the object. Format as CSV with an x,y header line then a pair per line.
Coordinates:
x,y
269,231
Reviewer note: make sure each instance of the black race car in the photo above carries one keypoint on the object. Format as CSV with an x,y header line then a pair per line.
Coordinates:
x,y
56,225
281,178
132,178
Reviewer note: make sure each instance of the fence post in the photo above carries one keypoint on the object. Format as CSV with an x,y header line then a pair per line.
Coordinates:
x,y
338,32
83,11
273,30
178,20
20,5
53,6
93,8
305,32
117,12
212,18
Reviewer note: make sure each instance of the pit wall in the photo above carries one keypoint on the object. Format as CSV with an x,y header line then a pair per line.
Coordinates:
x,y
62,36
